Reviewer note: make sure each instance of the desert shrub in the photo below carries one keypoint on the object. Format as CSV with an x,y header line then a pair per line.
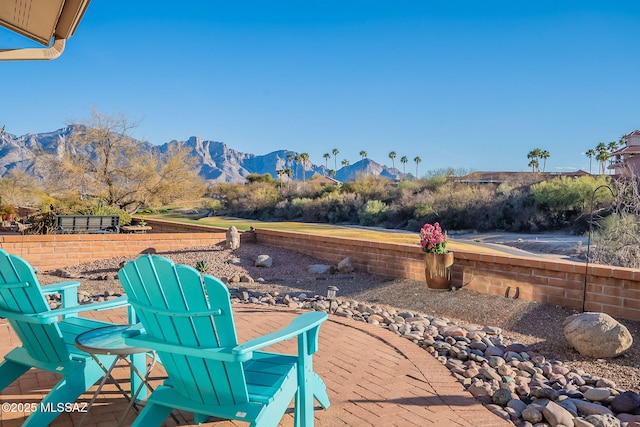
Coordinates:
x,y
372,187
372,213
565,199
257,200
254,177
617,241
344,208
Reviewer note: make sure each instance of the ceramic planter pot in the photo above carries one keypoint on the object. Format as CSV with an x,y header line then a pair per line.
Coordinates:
x,y
437,270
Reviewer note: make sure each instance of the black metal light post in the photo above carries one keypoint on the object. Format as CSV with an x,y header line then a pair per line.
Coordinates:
x,y
586,266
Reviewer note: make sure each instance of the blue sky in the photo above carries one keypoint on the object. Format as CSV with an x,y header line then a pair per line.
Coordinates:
x,y
471,85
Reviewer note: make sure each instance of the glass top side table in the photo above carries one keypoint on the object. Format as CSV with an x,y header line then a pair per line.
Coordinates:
x,y
110,340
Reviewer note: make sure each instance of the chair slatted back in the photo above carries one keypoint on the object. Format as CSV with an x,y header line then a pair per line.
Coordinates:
x,y
173,306
20,292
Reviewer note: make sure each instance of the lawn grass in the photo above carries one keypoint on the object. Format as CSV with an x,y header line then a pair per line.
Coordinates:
x,y
355,232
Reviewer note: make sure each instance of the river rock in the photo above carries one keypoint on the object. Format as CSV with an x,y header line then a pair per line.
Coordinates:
x,y
532,415
588,408
597,394
501,397
597,335
627,401
556,414
604,420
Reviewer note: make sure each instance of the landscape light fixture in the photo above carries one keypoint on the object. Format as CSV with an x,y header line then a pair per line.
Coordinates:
x,y
47,22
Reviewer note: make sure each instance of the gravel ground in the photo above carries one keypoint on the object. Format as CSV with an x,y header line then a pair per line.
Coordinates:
x,y
539,326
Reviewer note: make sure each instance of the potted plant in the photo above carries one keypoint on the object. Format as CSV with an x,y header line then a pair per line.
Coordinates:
x,y
8,213
438,260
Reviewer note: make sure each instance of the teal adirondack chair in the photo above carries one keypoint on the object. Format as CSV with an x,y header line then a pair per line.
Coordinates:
x,y
47,335
188,320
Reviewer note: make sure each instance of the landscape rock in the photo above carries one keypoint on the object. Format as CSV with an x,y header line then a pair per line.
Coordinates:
x,y
556,414
605,420
233,238
627,401
263,261
346,266
597,335
319,268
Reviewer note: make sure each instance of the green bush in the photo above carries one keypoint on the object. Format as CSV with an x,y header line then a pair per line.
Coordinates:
x,y
372,213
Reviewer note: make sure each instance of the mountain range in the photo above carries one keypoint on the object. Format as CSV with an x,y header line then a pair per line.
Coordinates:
x,y
216,161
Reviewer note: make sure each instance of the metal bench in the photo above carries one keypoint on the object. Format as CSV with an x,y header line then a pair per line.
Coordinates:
x,y
74,224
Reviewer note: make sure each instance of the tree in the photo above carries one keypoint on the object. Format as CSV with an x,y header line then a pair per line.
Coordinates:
x,y
590,154
363,154
101,160
392,156
534,155
404,160
326,156
544,155
345,163
417,159
335,158
304,158
296,161
602,155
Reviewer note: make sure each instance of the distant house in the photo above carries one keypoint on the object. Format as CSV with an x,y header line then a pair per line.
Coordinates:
x,y
515,177
626,160
325,180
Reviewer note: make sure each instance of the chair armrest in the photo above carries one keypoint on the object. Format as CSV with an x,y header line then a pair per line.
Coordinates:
x,y
56,288
223,354
301,324
52,316
121,301
68,292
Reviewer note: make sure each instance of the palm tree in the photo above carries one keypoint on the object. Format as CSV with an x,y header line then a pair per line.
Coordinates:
x,y
417,160
296,161
345,163
544,155
332,173
280,172
335,158
602,155
326,156
404,160
534,155
590,154
392,156
304,158
289,159
363,154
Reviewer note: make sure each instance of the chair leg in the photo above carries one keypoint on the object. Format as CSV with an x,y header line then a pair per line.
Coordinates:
x,y
68,389
152,415
320,390
9,372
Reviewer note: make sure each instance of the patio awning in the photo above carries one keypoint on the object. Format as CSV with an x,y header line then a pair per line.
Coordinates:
x,y
48,22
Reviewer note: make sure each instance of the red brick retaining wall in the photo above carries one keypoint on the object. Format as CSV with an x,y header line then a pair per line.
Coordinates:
x,y
49,252
612,290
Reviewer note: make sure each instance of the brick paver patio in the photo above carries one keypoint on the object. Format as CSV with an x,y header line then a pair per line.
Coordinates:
x,y
374,378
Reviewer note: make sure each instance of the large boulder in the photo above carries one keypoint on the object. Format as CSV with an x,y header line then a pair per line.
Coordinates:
x,y
597,335
233,238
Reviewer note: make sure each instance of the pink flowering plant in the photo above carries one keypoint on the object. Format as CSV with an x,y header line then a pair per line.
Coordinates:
x,y
432,239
